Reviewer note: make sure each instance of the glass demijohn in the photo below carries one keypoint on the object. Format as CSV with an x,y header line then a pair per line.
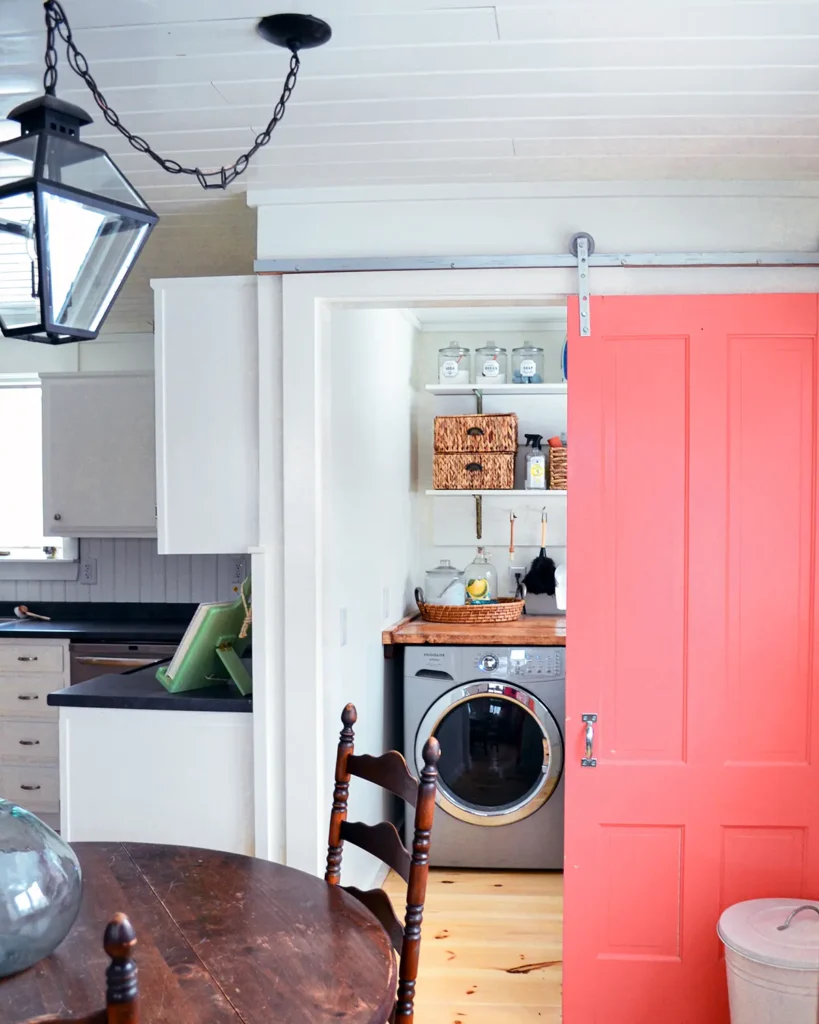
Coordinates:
x,y
71,227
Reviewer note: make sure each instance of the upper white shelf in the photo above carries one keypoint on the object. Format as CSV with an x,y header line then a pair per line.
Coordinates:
x,y
500,493
498,389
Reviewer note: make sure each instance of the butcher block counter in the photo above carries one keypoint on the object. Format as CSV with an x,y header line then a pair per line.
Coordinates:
x,y
527,631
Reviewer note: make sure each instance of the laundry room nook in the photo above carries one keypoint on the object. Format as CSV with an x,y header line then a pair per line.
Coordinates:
x,y
408,528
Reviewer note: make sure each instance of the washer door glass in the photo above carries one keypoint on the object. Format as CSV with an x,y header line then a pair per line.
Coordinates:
x,y
501,753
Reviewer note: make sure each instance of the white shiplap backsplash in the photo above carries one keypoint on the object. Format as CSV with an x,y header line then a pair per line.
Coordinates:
x,y
131,570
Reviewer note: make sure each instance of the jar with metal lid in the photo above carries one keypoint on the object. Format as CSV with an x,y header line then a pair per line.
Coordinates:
x,y
527,365
444,584
491,364
454,365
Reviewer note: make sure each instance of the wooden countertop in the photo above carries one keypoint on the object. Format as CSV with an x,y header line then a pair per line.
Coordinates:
x,y
527,631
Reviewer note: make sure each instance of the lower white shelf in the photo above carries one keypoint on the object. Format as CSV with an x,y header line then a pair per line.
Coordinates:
x,y
501,494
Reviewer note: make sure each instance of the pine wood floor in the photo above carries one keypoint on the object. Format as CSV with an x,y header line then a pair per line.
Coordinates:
x,y
492,947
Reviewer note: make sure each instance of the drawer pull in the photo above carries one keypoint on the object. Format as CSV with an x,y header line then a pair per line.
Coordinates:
x,y
28,787
26,657
29,743
475,432
474,467
28,696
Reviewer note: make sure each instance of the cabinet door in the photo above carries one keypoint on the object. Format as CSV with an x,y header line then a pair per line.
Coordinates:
x,y
207,415
98,455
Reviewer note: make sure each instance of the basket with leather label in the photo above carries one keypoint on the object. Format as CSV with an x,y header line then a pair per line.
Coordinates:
x,y
478,471
488,433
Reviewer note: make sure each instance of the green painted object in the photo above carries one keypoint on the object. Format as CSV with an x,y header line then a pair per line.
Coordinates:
x,y
210,651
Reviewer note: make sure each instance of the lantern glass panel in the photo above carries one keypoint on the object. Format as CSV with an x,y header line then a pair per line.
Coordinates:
x,y
18,262
90,251
77,165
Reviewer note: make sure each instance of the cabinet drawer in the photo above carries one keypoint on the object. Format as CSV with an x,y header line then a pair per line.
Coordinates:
x,y
23,658
25,696
29,740
32,787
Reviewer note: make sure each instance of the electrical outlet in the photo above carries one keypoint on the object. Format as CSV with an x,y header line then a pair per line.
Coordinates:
x,y
515,570
343,626
238,572
385,602
88,571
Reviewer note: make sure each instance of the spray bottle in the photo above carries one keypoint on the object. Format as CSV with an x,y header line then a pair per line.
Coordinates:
x,y
535,464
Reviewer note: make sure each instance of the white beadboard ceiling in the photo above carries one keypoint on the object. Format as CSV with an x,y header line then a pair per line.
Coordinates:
x,y
422,91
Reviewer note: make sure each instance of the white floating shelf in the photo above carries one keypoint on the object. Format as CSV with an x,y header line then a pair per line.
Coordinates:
x,y
535,495
498,389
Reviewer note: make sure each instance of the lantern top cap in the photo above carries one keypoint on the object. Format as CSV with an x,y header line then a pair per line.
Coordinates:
x,y
45,111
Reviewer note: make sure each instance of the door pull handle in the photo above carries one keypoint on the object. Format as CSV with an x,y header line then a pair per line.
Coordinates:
x,y
589,761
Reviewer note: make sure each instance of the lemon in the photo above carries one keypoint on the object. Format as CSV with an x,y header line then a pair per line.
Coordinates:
x,y
478,590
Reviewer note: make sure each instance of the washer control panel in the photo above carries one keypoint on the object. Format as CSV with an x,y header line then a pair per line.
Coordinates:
x,y
522,662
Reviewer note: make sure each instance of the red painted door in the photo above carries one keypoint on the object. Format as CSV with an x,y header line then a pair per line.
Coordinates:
x,y
693,636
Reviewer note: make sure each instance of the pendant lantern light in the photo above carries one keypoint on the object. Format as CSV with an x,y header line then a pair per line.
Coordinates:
x,y
71,225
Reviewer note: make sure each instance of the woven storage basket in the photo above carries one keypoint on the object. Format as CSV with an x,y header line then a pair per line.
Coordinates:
x,y
507,609
558,469
468,471
491,433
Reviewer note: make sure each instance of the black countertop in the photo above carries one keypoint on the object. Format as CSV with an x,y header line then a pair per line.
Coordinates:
x,y
143,691
100,623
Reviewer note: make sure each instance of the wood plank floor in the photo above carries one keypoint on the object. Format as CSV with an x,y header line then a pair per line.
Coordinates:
x,y
492,947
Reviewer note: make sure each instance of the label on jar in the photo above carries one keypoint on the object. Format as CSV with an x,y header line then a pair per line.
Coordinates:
x,y
491,368
527,368
449,368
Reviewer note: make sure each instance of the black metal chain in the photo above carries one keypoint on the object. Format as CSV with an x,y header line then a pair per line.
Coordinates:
x,y
57,24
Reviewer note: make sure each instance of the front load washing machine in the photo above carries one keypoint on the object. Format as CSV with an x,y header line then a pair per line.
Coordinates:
x,y
499,715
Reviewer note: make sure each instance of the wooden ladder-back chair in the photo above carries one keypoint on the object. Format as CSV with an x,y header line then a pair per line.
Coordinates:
x,y
390,772
121,995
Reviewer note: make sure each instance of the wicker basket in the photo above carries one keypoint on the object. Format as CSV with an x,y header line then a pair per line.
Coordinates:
x,y
508,609
465,471
558,469
492,433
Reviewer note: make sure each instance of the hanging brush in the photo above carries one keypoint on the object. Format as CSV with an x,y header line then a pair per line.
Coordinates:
x,y
540,579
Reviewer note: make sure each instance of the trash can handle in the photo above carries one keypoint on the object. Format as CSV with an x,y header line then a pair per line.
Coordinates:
x,y
793,913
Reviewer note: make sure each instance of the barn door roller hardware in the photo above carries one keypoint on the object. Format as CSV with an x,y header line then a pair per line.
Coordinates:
x,y
581,255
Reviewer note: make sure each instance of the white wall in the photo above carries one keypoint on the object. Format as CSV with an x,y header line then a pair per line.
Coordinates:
x,y
108,352
369,550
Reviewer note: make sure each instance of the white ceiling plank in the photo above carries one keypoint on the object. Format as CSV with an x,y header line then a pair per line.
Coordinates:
x,y
134,164
535,83
270,65
213,40
583,21
497,108
762,147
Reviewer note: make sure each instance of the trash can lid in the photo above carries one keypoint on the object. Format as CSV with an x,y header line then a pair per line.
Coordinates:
x,y
782,933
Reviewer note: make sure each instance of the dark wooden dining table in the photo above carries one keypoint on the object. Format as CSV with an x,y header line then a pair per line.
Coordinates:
x,y
221,939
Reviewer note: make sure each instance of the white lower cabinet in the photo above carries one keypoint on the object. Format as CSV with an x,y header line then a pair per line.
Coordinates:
x,y
99,455
29,729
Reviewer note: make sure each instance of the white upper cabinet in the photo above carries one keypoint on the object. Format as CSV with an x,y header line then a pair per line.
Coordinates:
x,y
206,361
99,475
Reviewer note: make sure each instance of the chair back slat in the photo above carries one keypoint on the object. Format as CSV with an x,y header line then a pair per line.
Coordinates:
x,y
382,841
380,906
389,771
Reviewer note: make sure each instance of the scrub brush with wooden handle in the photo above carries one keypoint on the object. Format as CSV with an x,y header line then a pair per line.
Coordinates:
x,y
540,579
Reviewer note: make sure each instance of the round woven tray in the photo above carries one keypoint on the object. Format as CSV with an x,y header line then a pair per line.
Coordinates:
x,y
506,610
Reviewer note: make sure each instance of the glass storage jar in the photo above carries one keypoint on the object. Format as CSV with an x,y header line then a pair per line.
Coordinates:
x,y
444,584
491,364
453,365
527,365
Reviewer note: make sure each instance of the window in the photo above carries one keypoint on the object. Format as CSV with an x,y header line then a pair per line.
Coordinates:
x,y
21,466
